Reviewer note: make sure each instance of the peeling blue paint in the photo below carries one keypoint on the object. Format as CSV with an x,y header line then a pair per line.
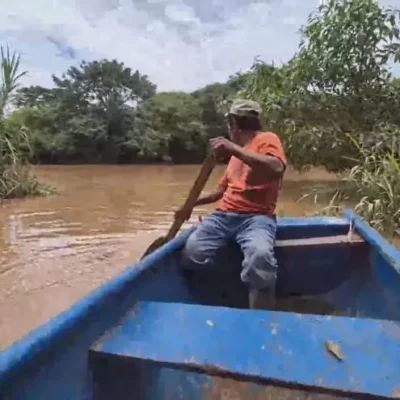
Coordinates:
x,y
232,347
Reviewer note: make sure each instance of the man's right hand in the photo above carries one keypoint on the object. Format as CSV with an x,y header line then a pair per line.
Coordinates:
x,y
183,214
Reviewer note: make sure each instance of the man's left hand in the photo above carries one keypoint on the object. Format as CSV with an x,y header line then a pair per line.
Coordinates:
x,y
222,147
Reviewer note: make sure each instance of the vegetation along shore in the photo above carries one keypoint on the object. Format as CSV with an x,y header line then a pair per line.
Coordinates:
x,y
334,104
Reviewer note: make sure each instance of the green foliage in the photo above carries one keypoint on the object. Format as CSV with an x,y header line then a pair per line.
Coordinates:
x,y
346,46
15,148
376,182
337,84
172,125
90,114
103,112
338,87
372,187
9,76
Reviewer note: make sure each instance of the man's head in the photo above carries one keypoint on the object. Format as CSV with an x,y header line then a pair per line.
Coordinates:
x,y
243,118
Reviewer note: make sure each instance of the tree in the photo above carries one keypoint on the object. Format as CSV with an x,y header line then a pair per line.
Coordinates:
x,y
10,76
346,45
106,84
337,84
344,51
173,121
15,149
90,112
34,96
214,100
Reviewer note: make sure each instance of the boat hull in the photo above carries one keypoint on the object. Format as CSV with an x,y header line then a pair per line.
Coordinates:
x,y
56,360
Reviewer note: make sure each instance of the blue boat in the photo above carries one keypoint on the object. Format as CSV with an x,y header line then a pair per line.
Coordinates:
x,y
157,332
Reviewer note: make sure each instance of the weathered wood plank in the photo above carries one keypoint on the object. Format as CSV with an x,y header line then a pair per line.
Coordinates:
x,y
321,241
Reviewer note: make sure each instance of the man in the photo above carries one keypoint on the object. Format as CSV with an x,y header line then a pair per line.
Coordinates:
x,y
247,195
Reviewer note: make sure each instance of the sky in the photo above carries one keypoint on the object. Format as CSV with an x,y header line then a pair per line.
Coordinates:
x,y
178,44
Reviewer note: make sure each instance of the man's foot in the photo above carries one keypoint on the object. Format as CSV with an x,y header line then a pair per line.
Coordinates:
x,y
262,299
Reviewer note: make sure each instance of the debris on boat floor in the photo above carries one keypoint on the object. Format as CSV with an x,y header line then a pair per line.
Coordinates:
x,y
210,323
350,234
334,349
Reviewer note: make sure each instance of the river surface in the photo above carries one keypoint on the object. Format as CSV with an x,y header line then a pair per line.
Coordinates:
x,y
55,250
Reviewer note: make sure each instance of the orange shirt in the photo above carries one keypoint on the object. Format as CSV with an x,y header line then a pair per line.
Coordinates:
x,y
246,191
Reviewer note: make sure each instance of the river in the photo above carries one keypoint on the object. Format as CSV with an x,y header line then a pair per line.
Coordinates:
x,y
54,250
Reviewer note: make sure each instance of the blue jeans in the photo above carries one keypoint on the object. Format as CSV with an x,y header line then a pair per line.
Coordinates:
x,y
255,235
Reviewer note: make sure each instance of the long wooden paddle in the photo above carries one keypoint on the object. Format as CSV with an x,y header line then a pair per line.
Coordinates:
x,y
198,186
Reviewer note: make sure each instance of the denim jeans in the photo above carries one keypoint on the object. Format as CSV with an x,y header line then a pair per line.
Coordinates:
x,y
255,235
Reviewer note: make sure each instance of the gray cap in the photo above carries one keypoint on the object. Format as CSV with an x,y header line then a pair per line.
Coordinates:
x,y
245,108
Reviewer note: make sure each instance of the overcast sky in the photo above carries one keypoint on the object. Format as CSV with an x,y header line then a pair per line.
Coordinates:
x,y
179,44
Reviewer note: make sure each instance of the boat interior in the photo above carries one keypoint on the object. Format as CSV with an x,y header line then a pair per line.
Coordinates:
x,y
160,332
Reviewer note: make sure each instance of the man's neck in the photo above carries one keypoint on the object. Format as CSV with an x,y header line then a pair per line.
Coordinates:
x,y
246,137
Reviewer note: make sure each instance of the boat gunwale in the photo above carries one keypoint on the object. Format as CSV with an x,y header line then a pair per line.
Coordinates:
x,y
375,240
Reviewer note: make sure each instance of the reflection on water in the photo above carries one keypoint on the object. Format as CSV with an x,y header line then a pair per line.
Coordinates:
x,y
56,249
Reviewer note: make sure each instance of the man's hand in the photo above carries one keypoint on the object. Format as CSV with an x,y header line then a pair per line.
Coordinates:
x,y
223,148
183,215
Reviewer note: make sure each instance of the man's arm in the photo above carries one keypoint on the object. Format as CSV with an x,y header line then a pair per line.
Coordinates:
x,y
269,159
271,166
206,199
216,194
211,198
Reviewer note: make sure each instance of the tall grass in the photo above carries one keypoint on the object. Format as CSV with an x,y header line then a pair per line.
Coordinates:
x,y
376,183
372,186
15,149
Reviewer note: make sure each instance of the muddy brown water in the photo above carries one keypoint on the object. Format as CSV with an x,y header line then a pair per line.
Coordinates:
x,y
55,250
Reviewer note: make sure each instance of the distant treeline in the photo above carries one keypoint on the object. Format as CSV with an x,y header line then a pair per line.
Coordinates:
x,y
103,112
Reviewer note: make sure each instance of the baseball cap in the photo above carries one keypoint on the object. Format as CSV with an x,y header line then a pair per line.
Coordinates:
x,y
245,108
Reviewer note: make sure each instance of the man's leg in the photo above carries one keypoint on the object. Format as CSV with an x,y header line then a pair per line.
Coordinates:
x,y
211,234
256,239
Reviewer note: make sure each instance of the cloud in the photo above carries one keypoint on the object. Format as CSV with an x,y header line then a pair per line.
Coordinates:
x,y
180,13
290,20
179,44
65,50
